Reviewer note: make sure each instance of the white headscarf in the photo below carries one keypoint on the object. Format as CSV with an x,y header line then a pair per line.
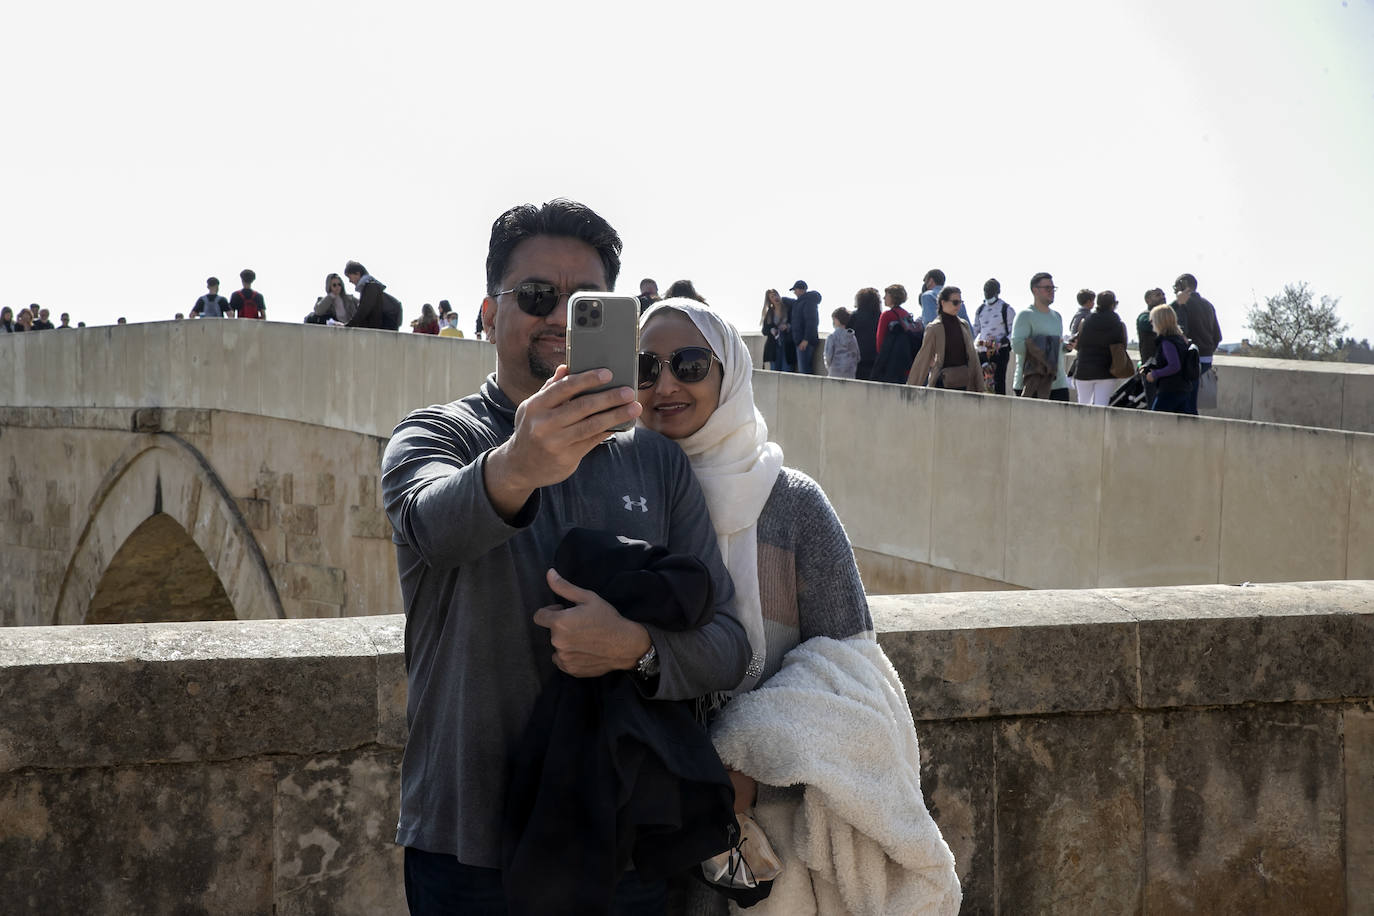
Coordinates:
x,y
736,466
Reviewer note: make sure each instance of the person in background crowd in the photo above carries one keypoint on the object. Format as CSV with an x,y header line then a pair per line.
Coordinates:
x,y
648,293
1037,340
683,289
992,326
66,322
1173,389
24,320
863,321
1096,334
444,309
427,323
1201,327
841,347
248,302
371,312
449,326
336,303
894,299
121,320
931,284
40,318
477,332
212,304
179,316
797,588
7,321
806,325
948,358
777,333
1145,335
1086,298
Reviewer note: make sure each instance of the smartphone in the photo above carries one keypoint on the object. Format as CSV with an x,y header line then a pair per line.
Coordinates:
x,y
603,332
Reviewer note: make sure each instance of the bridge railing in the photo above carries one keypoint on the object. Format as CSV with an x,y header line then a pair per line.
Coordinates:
x,y
1154,750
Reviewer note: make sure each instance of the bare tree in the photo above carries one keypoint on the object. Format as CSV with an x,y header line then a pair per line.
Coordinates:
x,y
1291,326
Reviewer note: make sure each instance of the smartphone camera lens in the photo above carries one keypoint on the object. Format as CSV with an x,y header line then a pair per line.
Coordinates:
x,y
582,306
582,320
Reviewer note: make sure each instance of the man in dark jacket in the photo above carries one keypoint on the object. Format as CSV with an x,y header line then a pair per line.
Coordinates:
x,y
806,321
372,302
1201,328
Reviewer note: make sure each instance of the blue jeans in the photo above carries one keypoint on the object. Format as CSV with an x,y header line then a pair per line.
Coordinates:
x,y
439,884
806,359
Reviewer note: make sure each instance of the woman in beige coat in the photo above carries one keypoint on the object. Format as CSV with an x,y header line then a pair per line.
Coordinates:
x,y
948,358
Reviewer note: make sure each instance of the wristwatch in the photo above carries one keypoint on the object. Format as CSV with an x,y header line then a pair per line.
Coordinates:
x,y
647,666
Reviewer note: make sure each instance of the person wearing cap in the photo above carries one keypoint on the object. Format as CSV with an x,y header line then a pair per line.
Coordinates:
x,y
805,310
212,304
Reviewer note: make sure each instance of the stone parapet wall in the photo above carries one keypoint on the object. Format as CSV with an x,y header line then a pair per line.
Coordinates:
x,y
1193,749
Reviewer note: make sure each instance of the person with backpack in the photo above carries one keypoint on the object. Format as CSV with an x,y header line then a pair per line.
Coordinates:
x,y
212,304
1174,366
992,324
248,302
376,308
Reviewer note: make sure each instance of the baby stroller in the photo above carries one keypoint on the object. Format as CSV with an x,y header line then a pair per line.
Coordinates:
x,y
1130,393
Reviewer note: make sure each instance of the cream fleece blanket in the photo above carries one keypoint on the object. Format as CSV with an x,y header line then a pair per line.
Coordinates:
x,y
835,719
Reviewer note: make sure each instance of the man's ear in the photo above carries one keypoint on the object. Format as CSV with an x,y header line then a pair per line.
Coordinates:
x,y
488,316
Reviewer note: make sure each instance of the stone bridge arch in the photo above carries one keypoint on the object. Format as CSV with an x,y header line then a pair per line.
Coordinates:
x,y
163,500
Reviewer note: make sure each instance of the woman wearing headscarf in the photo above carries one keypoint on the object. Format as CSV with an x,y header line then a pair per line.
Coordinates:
x,y
800,599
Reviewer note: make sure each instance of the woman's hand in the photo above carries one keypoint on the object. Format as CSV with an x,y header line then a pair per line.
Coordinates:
x,y
746,790
1149,376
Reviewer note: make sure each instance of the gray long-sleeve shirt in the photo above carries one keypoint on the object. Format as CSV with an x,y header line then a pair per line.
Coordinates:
x,y
471,584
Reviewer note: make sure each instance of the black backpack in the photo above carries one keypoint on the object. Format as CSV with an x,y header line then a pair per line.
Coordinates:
x,y
901,343
391,312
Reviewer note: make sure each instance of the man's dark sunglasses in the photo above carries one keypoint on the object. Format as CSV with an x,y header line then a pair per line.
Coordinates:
x,y
537,299
689,365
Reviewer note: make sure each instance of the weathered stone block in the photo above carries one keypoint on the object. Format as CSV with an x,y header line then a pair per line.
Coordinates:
x,y
957,777
316,583
1069,819
297,609
960,662
387,636
303,548
150,839
367,491
367,522
334,835
1261,658
1243,811
257,512
324,490
147,420
183,692
298,519
1358,731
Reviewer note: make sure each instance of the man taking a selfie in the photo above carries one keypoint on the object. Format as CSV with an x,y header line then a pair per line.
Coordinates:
x,y
479,493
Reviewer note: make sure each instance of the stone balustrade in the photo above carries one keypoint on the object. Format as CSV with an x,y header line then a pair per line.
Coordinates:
x,y
1188,749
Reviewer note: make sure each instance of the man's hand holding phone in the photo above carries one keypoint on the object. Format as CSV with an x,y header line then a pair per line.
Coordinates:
x,y
554,428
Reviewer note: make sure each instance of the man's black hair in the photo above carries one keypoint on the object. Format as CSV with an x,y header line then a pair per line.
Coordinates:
x,y
1039,277
247,275
559,217
213,281
1186,280
992,288
937,275
353,267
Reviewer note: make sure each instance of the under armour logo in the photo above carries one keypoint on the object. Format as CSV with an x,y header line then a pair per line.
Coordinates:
x,y
642,503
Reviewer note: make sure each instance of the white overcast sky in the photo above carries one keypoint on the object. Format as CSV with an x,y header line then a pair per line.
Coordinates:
x,y
1115,143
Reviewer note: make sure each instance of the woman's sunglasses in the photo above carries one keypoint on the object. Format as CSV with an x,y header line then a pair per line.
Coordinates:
x,y
689,365
537,299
